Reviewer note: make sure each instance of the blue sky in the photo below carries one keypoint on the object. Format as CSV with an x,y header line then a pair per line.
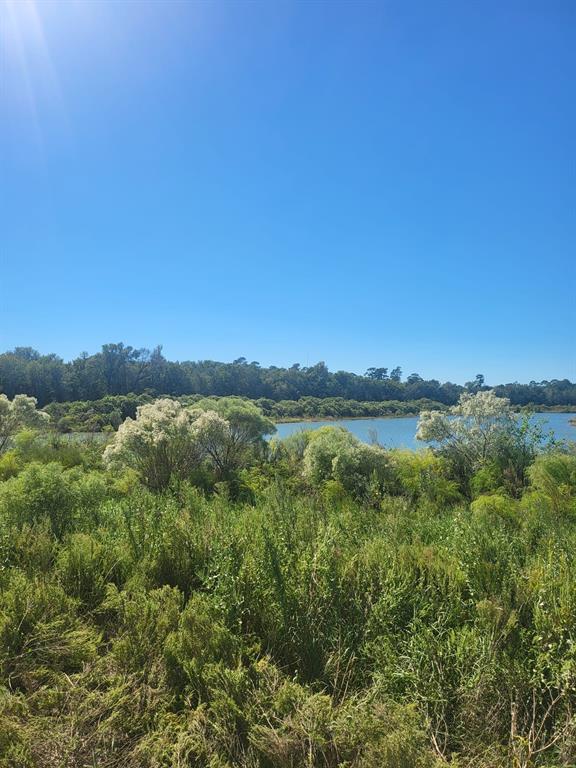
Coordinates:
x,y
365,183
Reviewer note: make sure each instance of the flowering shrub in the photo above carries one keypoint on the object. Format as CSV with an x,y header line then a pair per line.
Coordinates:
x,y
159,444
472,427
19,413
482,436
168,440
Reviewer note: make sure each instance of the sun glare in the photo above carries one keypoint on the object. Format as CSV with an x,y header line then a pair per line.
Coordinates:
x,y
22,27
29,75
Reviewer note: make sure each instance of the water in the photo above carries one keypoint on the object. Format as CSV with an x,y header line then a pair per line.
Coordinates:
x,y
401,433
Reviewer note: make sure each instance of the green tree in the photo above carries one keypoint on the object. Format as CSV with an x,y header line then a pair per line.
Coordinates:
x,y
379,374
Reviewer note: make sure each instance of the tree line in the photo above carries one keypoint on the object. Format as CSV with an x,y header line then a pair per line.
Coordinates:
x,y
108,413
120,369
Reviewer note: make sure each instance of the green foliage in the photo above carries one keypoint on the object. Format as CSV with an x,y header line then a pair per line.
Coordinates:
x,y
41,635
49,492
341,408
85,566
32,446
145,620
424,475
331,605
95,415
334,454
555,476
229,433
9,465
117,376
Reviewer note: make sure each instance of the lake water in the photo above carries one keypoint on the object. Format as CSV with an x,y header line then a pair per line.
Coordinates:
x,y
401,433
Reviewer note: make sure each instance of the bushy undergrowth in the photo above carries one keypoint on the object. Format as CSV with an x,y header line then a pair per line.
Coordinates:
x,y
357,612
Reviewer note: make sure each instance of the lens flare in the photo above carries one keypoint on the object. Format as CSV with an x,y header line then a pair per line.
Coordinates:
x,y
29,78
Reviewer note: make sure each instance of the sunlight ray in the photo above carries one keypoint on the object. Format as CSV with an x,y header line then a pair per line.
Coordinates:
x,y
27,54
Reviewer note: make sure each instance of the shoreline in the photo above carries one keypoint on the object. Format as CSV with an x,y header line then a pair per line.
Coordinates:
x,y
298,419
312,419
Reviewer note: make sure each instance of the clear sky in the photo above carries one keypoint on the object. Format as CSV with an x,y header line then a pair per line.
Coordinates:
x,y
365,183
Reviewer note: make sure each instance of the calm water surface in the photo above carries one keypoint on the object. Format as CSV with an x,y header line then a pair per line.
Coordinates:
x,y
401,433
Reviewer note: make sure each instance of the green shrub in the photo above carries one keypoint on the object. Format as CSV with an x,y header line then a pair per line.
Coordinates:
x,y
31,548
41,635
555,475
10,465
15,749
423,475
143,622
329,605
85,566
333,453
48,491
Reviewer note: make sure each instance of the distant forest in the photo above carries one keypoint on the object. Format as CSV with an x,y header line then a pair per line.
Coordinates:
x,y
119,369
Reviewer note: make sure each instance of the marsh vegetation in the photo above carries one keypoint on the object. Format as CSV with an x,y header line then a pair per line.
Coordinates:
x,y
195,595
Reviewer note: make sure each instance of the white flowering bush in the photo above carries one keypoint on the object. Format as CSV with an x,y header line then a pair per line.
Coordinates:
x,y
472,427
160,443
17,414
168,440
481,434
